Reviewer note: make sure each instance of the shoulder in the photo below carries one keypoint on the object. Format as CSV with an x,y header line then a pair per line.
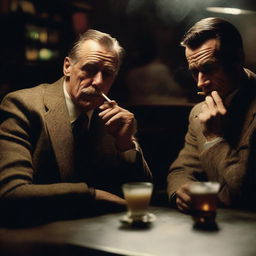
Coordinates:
x,y
29,96
26,93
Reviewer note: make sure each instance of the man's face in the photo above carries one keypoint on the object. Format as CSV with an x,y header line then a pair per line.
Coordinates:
x,y
95,69
207,69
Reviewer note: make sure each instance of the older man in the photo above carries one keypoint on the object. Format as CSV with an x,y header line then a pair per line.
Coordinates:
x,y
220,142
65,148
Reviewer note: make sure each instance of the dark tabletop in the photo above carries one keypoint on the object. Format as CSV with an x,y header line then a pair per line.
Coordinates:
x,y
172,233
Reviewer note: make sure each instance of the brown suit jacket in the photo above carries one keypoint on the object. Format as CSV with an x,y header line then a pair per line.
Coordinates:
x,y
37,155
231,161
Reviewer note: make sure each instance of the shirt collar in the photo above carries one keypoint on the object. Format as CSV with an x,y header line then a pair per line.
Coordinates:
x,y
73,110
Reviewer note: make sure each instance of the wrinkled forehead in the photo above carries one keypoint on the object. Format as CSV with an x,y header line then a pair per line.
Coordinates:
x,y
93,51
208,50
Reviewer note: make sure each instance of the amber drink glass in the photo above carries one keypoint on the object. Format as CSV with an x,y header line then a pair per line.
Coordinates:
x,y
204,197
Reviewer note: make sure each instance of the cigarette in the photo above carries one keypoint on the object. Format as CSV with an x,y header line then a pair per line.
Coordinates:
x,y
102,94
201,93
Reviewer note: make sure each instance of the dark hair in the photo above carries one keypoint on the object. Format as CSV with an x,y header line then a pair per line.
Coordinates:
x,y
231,45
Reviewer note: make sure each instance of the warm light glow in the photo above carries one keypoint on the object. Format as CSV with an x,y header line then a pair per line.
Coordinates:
x,y
234,11
205,207
226,10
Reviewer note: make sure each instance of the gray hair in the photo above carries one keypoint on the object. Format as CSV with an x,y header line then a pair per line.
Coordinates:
x,y
103,39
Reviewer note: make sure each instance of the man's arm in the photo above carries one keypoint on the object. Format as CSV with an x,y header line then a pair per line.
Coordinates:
x,y
187,167
19,193
229,166
121,124
219,160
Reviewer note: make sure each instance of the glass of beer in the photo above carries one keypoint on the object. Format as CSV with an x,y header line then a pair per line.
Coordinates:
x,y
204,202
137,196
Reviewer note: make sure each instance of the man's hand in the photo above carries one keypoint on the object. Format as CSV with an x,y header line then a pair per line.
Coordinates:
x,y
212,115
101,195
120,124
107,202
183,198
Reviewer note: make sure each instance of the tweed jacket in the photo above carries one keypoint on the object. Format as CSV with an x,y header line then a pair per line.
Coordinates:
x,y
230,161
37,153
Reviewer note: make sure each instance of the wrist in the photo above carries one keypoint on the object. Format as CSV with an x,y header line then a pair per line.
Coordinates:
x,y
211,137
209,144
125,144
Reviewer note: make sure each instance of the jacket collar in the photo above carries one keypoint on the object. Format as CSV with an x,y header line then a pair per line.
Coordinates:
x,y
59,128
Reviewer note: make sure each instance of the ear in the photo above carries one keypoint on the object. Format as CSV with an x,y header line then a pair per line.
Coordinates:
x,y
67,65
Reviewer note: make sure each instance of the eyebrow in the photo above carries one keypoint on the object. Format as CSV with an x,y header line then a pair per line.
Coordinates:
x,y
97,66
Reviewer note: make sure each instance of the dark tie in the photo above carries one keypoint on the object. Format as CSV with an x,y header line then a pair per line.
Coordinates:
x,y
82,147
80,127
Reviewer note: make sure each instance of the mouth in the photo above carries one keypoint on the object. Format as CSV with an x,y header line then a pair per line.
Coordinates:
x,y
103,95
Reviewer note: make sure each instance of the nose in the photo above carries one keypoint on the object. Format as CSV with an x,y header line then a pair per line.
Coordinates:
x,y
97,79
202,80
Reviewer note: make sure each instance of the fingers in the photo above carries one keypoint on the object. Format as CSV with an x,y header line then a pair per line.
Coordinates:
x,y
219,103
182,206
107,202
107,114
215,104
107,105
210,105
102,195
213,107
183,198
108,109
205,113
120,123
112,113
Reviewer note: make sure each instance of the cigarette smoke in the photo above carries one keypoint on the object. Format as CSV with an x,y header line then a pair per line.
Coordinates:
x,y
167,10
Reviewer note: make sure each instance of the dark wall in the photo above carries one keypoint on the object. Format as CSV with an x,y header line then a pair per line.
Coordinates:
x,y
161,131
149,30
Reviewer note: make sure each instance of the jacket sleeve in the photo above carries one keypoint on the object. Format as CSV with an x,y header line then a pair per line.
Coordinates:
x,y
187,166
232,168
137,169
20,196
221,162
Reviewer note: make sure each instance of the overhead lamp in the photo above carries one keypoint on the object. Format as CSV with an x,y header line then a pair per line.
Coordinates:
x,y
227,10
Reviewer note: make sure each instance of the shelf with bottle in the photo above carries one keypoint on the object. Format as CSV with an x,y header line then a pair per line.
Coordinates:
x,y
41,43
38,12
41,34
41,54
39,29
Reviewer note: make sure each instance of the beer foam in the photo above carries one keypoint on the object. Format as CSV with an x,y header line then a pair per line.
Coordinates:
x,y
204,188
139,191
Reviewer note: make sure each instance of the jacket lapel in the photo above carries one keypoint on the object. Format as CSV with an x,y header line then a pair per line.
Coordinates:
x,y
59,128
